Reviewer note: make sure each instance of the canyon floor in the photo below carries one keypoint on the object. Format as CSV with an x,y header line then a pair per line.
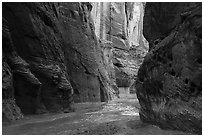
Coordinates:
x,y
117,117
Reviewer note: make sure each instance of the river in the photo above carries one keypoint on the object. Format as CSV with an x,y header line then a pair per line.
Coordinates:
x,y
117,117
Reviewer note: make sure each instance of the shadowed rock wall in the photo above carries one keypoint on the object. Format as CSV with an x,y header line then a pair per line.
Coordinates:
x,y
169,83
52,57
161,18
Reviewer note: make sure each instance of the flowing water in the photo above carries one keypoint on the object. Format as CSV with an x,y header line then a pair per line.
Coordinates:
x,y
119,116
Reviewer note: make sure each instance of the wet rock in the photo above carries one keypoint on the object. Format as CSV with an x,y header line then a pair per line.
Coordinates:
x,y
169,84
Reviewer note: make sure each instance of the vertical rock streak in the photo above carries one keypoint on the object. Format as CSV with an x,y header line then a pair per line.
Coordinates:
x,y
120,24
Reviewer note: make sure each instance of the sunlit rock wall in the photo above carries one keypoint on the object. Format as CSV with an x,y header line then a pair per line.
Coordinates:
x,y
121,24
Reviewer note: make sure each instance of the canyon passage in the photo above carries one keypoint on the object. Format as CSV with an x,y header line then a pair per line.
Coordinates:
x,y
102,68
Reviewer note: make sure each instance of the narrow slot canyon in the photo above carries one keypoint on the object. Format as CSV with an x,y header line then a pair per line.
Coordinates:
x,y
101,68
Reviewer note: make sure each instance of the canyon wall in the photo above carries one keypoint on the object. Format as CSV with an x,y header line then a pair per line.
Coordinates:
x,y
169,83
51,58
120,25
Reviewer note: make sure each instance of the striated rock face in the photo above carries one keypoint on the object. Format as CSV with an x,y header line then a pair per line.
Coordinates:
x,y
169,84
120,24
53,57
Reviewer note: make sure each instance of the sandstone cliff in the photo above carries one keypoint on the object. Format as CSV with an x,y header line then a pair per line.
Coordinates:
x,y
169,84
121,24
51,58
